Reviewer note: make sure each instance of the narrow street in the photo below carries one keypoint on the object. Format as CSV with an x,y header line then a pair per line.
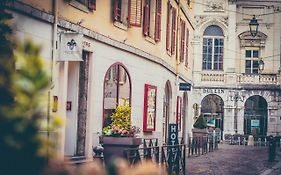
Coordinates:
x,y
234,160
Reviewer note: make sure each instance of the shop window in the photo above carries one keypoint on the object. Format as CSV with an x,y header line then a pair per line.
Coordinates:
x,y
152,19
213,45
117,88
171,29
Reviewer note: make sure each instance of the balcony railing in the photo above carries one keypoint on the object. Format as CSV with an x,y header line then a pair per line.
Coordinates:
x,y
257,79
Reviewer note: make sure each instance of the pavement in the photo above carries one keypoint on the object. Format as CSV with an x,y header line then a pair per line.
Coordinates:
x,y
235,160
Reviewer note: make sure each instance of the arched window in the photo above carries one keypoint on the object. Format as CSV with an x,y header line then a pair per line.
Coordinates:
x,y
213,48
117,88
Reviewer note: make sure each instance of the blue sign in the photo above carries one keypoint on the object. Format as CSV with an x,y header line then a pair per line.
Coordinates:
x,y
185,87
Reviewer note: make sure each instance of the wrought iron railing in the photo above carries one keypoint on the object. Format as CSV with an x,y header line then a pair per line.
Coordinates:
x,y
171,156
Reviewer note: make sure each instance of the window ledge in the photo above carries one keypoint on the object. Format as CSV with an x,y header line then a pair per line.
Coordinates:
x,y
149,39
120,25
79,6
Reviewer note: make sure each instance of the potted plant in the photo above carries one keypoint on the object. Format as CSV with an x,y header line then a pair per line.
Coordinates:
x,y
200,127
120,134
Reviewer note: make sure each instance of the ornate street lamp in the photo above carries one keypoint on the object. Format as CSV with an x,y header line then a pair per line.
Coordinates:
x,y
254,26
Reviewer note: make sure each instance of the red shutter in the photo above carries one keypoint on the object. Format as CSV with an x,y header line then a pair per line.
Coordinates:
x,y
186,47
168,27
146,18
182,44
92,5
135,13
117,10
158,20
174,18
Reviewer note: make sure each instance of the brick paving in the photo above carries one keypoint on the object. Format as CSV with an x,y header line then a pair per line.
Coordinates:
x,y
234,160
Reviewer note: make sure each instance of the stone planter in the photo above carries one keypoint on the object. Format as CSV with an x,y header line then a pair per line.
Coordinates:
x,y
199,132
115,146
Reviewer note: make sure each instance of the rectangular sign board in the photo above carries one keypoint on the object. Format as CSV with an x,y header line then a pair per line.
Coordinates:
x,y
173,134
184,86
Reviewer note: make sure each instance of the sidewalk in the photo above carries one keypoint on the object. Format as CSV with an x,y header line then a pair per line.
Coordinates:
x,y
234,160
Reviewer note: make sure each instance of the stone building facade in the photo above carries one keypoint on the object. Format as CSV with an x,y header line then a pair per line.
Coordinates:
x,y
229,86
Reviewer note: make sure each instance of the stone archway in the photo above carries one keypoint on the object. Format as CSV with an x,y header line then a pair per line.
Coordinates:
x,y
255,116
212,108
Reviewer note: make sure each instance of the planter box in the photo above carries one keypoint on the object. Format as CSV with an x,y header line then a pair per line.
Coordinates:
x,y
199,132
115,146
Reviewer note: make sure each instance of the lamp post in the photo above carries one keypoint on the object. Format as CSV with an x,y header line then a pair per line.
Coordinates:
x,y
254,25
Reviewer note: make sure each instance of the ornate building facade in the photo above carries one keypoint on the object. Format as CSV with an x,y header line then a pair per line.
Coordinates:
x,y
230,86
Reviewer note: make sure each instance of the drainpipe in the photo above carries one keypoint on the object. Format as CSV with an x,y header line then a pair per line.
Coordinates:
x,y
53,59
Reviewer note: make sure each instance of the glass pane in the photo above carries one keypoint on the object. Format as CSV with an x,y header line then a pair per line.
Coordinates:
x,y
213,30
255,66
248,53
110,94
248,64
255,53
124,87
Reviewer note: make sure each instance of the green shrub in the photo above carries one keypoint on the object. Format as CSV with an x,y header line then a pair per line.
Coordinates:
x,y
200,123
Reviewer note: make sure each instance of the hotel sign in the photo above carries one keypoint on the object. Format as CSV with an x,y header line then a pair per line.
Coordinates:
x,y
71,47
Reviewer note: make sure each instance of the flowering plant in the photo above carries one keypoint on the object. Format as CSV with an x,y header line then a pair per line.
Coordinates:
x,y
121,125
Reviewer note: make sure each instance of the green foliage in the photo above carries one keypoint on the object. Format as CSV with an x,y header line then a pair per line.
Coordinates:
x,y
121,125
200,123
22,86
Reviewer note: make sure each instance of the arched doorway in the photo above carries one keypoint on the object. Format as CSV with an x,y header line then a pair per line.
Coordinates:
x,y
255,116
212,108
166,110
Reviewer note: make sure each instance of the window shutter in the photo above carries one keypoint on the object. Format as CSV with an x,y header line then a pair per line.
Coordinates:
x,y
135,13
158,20
168,27
186,47
146,18
174,31
117,10
92,5
182,45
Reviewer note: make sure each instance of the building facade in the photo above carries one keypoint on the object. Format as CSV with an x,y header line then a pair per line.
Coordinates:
x,y
102,53
230,88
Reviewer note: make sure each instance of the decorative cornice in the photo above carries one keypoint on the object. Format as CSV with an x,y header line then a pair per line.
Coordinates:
x,y
200,19
247,40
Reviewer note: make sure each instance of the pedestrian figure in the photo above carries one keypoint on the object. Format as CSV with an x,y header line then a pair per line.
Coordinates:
x,y
271,149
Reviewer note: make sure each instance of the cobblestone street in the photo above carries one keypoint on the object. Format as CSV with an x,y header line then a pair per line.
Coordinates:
x,y
234,160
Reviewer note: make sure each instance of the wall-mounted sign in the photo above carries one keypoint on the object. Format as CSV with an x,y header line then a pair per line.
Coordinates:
x,y
213,91
71,47
255,123
149,111
173,134
184,86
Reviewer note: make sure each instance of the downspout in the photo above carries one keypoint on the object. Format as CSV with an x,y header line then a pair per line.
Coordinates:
x,y
53,60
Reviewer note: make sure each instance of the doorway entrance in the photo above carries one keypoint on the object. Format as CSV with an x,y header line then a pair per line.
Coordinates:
x,y
255,116
212,108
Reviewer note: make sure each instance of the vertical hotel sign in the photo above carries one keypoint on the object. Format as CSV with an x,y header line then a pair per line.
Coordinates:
x,y
71,47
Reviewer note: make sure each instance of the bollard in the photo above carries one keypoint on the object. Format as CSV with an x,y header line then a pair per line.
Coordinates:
x,y
259,142
239,141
